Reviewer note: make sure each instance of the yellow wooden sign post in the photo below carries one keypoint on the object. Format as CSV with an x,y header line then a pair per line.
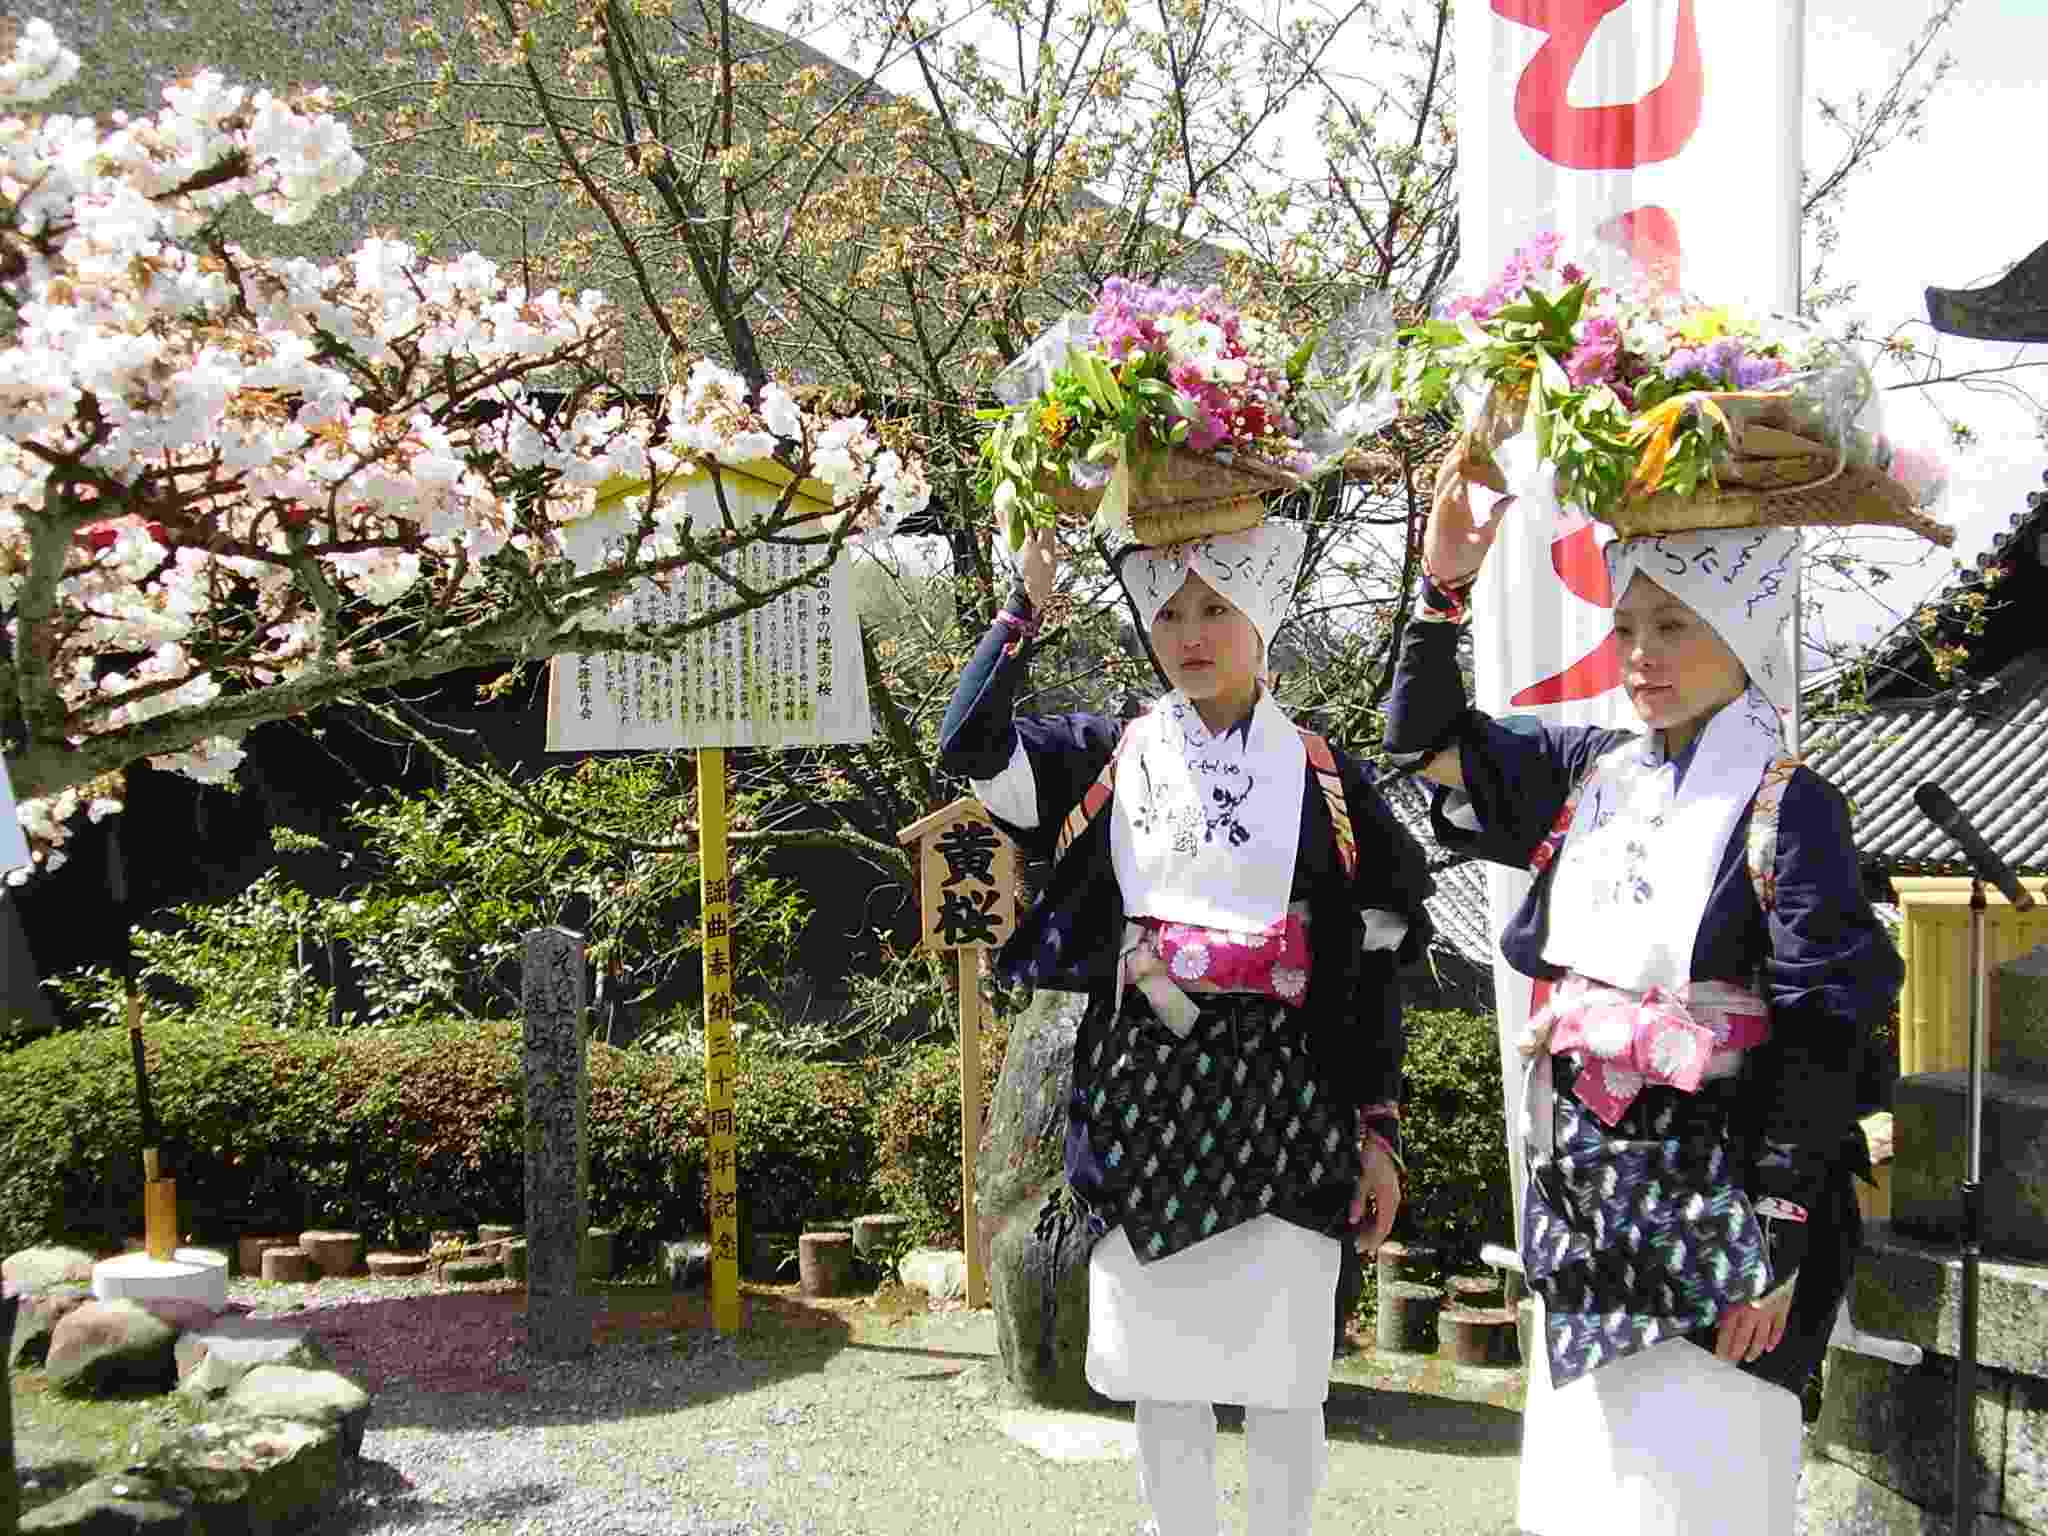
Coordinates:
x,y
721,1063
967,875
788,672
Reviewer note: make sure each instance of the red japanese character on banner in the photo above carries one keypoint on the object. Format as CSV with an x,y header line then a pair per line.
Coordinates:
x,y
1575,556
1609,138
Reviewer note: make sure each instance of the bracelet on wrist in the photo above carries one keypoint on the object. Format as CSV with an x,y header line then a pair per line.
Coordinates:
x,y
1445,603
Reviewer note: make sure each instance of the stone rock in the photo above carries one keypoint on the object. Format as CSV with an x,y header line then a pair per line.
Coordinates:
x,y
108,1346
2019,1016
941,1273
553,989
1020,1163
1930,1110
1911,1290
396,1266
184,1315
37,1269
1835,1500
333,1253
875,1235
2026,1451
471,1271
512,1255
687,1265
214,1359
306,1396
1892,1425
266,1477
128,1504
37,1319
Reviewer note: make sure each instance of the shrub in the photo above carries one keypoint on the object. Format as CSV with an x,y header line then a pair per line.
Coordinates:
x,y
394,1132
1454,1136
917,1132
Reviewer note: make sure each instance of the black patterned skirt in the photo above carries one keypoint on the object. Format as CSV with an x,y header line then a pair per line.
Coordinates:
x,y
1177,1139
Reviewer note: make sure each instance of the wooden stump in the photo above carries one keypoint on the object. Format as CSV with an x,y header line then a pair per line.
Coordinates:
x,y
1405,1323
512,1256
396,1266
1478,1335
249,1252
1475,1291
824,1260
1413,1263
471,1271
493,1235
333,1253
293,1266
874,1235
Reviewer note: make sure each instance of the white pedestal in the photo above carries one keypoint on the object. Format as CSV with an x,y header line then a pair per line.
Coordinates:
x,y
190,1274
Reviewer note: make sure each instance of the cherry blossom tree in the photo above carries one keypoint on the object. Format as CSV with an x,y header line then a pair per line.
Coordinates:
x,y
234,489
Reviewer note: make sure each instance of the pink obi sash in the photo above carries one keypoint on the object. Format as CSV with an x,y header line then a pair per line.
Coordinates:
x,y
1622,1039
1271,962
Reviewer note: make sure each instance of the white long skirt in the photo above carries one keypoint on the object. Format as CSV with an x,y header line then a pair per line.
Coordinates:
x,y
1247,1316
1668,1442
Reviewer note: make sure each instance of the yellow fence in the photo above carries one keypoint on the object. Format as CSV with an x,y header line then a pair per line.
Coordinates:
x,y
1934,1012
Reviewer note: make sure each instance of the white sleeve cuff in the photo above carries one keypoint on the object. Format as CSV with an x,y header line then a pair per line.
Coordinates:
x,y
1013,793
1384,929
1460,812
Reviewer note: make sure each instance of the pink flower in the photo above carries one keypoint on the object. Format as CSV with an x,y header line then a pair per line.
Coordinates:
x,y
1593,359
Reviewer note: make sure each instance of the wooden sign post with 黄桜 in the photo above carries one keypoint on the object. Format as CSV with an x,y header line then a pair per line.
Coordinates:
x,y
967,876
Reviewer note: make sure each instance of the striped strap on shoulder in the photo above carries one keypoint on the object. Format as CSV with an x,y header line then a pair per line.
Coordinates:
x,y
1763,831
1324,765
1093,799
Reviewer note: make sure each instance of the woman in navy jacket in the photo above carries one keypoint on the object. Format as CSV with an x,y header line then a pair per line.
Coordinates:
x,y
1236,900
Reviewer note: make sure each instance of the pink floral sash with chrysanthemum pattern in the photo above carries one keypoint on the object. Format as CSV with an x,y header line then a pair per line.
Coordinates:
x,y
1623,1039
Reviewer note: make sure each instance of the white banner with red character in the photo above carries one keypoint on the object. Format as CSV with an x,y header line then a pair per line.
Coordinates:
x,y
1662,131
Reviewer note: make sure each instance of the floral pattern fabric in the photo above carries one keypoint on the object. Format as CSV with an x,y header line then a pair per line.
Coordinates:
x,y
1271,962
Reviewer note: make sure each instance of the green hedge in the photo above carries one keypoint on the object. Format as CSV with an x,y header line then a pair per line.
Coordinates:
x,y
395,1132
917,1133
1454,1136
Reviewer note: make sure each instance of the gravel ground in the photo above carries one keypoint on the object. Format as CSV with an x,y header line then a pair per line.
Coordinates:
x,y
818,1419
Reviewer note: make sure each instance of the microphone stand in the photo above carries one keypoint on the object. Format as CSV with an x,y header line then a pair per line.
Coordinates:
x,y
1972,1229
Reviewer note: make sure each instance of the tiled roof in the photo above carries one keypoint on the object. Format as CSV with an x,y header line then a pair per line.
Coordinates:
x,y
1986,744
1897,656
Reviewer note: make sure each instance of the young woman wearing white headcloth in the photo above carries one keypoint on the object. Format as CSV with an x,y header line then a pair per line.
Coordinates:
x,y
1713,969
1236,900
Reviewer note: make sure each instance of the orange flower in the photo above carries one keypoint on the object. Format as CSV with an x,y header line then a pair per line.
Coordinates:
x,y
1052,421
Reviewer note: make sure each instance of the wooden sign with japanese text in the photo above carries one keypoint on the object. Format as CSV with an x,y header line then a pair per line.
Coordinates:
x,y
967,872
967,878
786,674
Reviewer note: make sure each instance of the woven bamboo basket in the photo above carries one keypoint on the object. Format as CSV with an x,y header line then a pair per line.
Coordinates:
x,y
1774,477
1187,495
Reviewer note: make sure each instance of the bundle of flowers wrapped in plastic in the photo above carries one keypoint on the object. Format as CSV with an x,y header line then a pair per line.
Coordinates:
x,y
1659,413
1167,413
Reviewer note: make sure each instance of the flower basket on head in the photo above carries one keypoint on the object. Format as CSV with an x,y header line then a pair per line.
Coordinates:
x,y
1163,415
1659,414
1177,494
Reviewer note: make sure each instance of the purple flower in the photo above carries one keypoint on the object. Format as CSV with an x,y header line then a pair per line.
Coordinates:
x,y
1755,372
1682,361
